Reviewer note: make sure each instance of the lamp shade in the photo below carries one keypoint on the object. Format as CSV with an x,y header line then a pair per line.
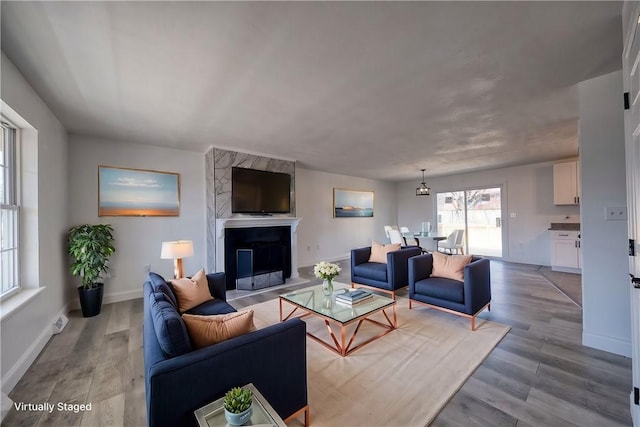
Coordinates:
x,y
177,249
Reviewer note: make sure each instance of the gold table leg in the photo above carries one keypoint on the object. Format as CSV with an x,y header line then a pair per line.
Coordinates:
x,y
341,346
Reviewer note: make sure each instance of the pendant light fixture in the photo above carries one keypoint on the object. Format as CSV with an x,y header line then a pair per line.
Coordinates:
x,y
423,190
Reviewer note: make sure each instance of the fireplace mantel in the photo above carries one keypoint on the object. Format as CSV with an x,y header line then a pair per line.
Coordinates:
x,y
247,222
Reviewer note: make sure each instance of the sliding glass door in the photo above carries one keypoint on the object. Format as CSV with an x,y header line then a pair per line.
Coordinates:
x,y
479,213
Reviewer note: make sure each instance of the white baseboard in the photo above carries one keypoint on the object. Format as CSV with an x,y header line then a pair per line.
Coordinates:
x,y
16,372
122,296
6,405
566,269
612,345
22,365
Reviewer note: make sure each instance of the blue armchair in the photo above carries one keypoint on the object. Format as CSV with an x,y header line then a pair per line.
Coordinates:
x,y
387,277
467,298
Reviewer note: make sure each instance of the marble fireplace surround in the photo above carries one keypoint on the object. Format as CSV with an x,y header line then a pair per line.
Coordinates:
x,y
249,222
218,166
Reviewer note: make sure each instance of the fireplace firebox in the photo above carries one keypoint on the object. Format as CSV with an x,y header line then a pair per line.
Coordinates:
x,y
257,251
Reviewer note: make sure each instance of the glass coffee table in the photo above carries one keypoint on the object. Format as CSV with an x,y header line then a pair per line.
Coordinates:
x,y
312,302
212,415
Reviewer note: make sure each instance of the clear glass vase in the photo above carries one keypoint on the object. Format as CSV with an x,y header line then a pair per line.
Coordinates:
x,y
327,287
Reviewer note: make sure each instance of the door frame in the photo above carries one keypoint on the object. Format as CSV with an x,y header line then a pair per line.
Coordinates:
x,y
631,72
504,222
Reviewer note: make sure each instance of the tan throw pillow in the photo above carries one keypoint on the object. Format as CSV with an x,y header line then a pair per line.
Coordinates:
x,y
379,251
191,292
449,266
207,330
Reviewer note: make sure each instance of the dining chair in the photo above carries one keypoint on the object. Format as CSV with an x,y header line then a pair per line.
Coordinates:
x,y
459,246
389,227
454,242
409,238
396,237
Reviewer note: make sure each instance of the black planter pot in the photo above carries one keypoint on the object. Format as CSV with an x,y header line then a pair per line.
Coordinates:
x,y
91,300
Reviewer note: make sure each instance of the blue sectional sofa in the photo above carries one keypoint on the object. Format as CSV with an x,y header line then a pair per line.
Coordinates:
x,y
179,379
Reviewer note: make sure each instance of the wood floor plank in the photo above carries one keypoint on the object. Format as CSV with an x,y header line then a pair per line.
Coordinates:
x,y
589,395
107,413
135,409
614,364
59,349
510,385
119,319
513,406
465,410
573,413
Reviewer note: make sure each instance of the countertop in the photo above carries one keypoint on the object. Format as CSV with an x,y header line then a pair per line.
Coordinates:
x,y
567,226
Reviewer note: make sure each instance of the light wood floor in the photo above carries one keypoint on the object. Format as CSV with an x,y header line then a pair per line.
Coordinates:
x,y
539,374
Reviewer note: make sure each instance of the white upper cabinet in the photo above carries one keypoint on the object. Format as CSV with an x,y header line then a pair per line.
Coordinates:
x,y
566,183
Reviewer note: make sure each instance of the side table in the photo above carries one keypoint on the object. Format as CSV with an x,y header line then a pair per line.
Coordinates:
x,y
212,415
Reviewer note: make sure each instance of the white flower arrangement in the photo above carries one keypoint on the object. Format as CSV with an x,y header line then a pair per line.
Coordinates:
x,y
326,270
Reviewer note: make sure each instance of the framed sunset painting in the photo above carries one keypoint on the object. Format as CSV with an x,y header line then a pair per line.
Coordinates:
x,y
137,192
352,203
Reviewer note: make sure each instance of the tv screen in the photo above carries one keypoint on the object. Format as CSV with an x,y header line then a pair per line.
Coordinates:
x,y
260,192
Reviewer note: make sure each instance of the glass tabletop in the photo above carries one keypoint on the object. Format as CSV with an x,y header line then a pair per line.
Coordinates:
x,y
432,234
314,300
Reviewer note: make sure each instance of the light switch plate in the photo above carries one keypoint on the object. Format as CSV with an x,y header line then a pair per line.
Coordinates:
x,y
615,213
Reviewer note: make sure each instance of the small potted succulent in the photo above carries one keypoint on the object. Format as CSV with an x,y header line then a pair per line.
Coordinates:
x,y
237,406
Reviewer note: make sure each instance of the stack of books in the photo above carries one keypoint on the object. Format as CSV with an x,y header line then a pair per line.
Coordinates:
x,y
353,297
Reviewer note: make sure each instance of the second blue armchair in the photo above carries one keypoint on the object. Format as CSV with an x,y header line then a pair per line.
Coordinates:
x,y
465,298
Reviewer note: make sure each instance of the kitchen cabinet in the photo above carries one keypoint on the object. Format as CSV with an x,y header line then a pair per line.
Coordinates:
x,y
565,251
566,183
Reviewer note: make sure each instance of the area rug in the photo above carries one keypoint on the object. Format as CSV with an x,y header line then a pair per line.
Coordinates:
x,y
402,379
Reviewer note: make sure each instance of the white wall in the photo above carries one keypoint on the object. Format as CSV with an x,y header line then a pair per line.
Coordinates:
x,y
528,191
605,280
321,237
26,330
138,239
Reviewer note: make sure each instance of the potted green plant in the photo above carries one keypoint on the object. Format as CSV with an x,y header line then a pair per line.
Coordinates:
x,y
90,246
237,406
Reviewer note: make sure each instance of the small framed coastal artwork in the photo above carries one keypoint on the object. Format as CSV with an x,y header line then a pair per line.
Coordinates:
x,y
352,203
137,192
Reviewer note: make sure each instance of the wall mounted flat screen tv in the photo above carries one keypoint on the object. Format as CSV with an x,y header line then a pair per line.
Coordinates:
x,y
260,192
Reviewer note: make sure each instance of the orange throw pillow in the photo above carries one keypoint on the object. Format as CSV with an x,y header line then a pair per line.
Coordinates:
x,y
449,266
379,251
207,330
191,292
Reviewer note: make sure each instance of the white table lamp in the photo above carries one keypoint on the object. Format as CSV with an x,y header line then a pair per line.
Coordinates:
x,y
176,251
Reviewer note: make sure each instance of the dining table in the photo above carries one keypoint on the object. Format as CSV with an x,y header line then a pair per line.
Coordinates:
x,y
426,236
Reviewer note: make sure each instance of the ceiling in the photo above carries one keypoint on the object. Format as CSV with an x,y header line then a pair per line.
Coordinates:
x,y
370,89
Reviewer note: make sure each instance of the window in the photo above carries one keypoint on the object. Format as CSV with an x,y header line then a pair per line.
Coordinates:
x,y
479,213
9,211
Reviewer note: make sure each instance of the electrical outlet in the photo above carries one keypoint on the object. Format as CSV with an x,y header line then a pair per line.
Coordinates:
x,y
615,213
